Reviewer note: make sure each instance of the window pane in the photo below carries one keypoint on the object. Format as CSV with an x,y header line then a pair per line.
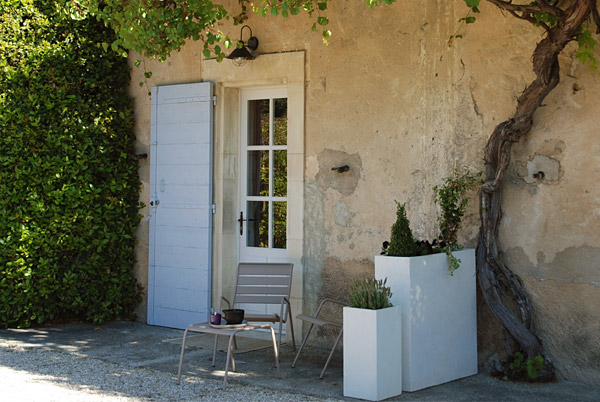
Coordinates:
x,y
258,173
280,121
280,173
279,224
257,226
258,122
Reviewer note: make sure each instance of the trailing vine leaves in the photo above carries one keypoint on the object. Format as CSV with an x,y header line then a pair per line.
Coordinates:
x,y
314,8
165,25
546,14
156,28
587,45
452,199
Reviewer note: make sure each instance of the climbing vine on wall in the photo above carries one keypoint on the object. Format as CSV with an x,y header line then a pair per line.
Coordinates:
x,y
68,184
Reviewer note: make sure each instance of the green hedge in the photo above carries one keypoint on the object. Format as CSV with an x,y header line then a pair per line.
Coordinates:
x,y
68,184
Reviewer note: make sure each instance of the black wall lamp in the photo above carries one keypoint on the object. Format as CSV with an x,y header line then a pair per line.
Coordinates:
x,y
242,54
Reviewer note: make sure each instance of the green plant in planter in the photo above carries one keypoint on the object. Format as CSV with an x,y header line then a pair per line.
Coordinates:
x,y
402,242
370,294
452,198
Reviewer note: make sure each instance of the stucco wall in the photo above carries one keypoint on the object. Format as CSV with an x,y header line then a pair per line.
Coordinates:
x,y
391,99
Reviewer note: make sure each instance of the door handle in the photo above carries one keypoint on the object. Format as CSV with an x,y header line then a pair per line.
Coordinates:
x,y
242,220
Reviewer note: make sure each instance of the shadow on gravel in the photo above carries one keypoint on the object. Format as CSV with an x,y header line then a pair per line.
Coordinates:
x,y
121,347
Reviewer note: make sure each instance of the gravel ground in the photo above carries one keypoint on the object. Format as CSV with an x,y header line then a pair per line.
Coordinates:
x,y
32,374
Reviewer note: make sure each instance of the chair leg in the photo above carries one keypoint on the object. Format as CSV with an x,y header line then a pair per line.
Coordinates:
x,y
279,336
229,347
302,344
275,352
233,360
331,353
291,321
181,356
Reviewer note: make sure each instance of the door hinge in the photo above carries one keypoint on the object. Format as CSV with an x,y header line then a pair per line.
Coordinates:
x,y
213,208
214,100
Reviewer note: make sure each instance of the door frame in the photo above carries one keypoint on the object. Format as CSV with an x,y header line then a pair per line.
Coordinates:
x,y
268,70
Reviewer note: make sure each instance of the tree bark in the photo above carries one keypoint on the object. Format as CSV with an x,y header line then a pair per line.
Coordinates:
x,y
495,278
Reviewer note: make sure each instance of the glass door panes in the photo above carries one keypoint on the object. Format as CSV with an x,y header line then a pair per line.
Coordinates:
x,y
258,122
265,170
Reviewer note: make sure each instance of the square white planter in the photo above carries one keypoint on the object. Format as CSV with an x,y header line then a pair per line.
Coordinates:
x,y
372,353
439,316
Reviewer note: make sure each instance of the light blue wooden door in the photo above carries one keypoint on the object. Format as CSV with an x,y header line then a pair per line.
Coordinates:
x,y
179,272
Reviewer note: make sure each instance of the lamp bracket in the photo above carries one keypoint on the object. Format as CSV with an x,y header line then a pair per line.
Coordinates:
x,y
252,43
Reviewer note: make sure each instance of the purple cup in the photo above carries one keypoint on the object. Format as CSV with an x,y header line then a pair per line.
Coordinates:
x,y
215,319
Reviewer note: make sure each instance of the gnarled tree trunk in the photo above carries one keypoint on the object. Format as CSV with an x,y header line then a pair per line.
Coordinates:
x,y
495,278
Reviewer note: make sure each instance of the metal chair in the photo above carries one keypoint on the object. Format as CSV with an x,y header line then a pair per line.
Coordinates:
x,y
320,322
265,283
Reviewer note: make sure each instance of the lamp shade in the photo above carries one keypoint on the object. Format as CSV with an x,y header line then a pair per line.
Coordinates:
x,y
241,52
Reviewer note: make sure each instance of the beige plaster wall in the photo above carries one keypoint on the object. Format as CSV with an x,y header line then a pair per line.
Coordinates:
x,y
392,100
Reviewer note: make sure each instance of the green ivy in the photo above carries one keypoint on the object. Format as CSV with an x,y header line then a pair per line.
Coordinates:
x,y
452,198
586,52
68,185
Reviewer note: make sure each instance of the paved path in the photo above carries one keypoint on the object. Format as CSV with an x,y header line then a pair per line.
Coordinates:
x,y
135,362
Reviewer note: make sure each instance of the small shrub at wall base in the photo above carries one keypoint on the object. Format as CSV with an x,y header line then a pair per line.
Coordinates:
x,y
530,368
370,294
69,189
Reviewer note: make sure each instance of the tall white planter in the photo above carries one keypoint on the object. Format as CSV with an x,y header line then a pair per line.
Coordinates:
x,y
439,316
372,353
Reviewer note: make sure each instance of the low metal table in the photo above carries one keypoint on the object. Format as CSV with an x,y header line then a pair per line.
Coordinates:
x,y
230,331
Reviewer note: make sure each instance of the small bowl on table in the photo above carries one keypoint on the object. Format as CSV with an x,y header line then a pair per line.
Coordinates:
x,y
233,316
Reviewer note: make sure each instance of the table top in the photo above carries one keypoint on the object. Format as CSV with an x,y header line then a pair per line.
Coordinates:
x,y
206,328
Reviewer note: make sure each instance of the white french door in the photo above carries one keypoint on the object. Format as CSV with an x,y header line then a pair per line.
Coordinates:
x,y
263,205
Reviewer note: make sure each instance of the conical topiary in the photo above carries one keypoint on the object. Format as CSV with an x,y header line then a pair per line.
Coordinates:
x,y
402,242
